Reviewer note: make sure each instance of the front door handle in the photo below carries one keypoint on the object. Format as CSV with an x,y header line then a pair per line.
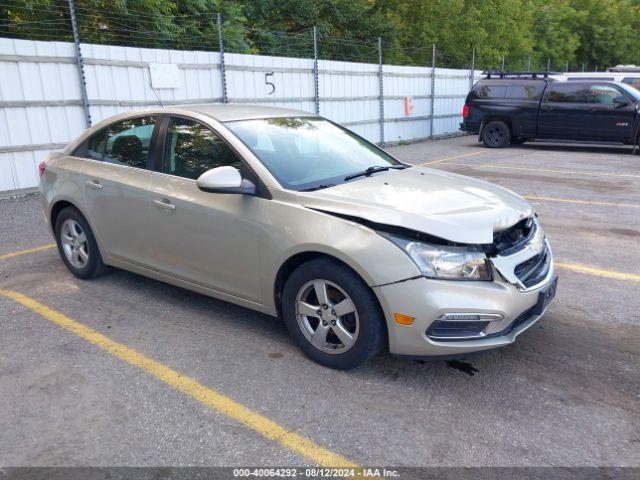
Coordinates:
x,y
95,184
164,204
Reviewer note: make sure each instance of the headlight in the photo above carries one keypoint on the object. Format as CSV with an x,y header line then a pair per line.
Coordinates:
x,y
445,263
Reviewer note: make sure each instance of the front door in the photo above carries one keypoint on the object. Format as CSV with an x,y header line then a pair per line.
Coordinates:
x,y
610,121
116,186
210,239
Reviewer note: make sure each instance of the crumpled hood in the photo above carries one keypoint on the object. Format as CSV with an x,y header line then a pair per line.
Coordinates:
x,y
446,205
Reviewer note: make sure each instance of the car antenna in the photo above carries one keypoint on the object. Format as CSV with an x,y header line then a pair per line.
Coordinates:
x,y
156,94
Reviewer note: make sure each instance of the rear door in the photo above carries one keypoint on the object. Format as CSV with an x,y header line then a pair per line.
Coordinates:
x,y
610,121
116,188
564,112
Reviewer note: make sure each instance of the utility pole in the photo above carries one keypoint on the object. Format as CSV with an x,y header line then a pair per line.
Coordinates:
x,y
223,72
529,64
503,63
381,86
316,85
433,88
80,63
472,73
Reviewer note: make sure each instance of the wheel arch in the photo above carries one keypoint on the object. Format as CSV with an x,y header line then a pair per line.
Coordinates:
x,y
61,204
294,261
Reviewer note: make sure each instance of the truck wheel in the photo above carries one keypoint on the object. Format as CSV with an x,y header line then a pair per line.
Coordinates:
x,y
518,140
496,135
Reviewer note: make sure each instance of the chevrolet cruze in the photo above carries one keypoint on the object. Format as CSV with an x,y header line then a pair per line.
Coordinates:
x,y
292,215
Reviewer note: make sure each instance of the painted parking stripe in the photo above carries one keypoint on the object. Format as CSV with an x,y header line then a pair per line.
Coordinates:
x,y
599,272
545,170
188,386
454,157
7,256
580,202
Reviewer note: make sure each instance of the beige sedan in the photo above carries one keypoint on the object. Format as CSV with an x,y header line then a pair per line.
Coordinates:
x,y
294,216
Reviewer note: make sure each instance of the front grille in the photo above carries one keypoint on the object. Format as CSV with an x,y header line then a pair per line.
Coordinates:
x,y
533,271
456,329
513,238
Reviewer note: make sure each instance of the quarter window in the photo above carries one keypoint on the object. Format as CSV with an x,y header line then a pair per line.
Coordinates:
x,y
568,93
128,142
191,149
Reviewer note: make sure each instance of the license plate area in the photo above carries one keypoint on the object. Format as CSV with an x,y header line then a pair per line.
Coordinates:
x,y
545,296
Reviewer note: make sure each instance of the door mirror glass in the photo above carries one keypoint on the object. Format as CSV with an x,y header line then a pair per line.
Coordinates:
x,y
225,179
620,101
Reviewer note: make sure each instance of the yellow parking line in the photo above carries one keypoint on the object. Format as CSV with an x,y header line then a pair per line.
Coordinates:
x,y
205,395
581,202
451,158
546,170
6,256
630,277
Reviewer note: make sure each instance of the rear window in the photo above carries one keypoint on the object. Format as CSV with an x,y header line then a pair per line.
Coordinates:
x,y
568,93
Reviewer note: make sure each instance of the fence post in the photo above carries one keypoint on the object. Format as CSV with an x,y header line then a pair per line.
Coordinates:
x,y
529,64
316,85
566,66
223,72
433,88
79,63
381,81
503,63
548,64
472,73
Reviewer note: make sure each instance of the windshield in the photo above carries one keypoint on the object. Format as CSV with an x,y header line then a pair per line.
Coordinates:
x,y
635,94
308,152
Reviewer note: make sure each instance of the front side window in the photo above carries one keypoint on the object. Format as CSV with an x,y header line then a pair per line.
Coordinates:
x,y
603,94
568,93
128,142
191,149
306,152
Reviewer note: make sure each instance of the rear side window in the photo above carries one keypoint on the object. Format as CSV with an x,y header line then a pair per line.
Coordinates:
x,y
191,149
127,142
93,147
633,81
524,91
568,93
486,91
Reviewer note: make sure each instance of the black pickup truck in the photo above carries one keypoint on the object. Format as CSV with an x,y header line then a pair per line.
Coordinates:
x,y
506,109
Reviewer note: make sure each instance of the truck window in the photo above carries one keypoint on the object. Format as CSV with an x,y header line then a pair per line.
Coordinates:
x,y
603,94
568,93
524,92
490,91
633,81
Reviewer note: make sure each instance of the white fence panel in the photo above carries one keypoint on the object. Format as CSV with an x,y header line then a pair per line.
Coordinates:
x,y
41,107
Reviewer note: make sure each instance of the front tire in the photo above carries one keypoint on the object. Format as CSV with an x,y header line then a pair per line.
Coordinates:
x,y
77,245
332,314
496,135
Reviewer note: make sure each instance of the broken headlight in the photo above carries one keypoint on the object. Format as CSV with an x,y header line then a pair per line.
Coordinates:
x,y
444,262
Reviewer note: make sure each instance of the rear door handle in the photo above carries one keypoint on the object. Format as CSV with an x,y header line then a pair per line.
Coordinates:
x,y
95,184
164,204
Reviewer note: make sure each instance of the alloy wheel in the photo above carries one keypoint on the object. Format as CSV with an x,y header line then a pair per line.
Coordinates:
x,y
327,316
74,243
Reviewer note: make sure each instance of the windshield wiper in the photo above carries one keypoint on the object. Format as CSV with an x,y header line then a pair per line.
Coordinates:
x,y
371,170
318,187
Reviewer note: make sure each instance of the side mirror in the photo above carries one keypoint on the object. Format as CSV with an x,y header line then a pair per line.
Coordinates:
x,y
225,180
620,101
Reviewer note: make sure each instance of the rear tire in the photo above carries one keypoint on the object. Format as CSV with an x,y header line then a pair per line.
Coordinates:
x,y
77,245
496,135
332,315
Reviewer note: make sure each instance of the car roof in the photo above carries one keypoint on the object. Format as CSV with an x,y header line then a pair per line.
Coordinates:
x,y
228,112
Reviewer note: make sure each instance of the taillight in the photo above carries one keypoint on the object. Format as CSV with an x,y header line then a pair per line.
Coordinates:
x,y
465,111
42,167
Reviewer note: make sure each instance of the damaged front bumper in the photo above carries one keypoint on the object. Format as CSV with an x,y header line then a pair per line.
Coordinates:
x,y
499,311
